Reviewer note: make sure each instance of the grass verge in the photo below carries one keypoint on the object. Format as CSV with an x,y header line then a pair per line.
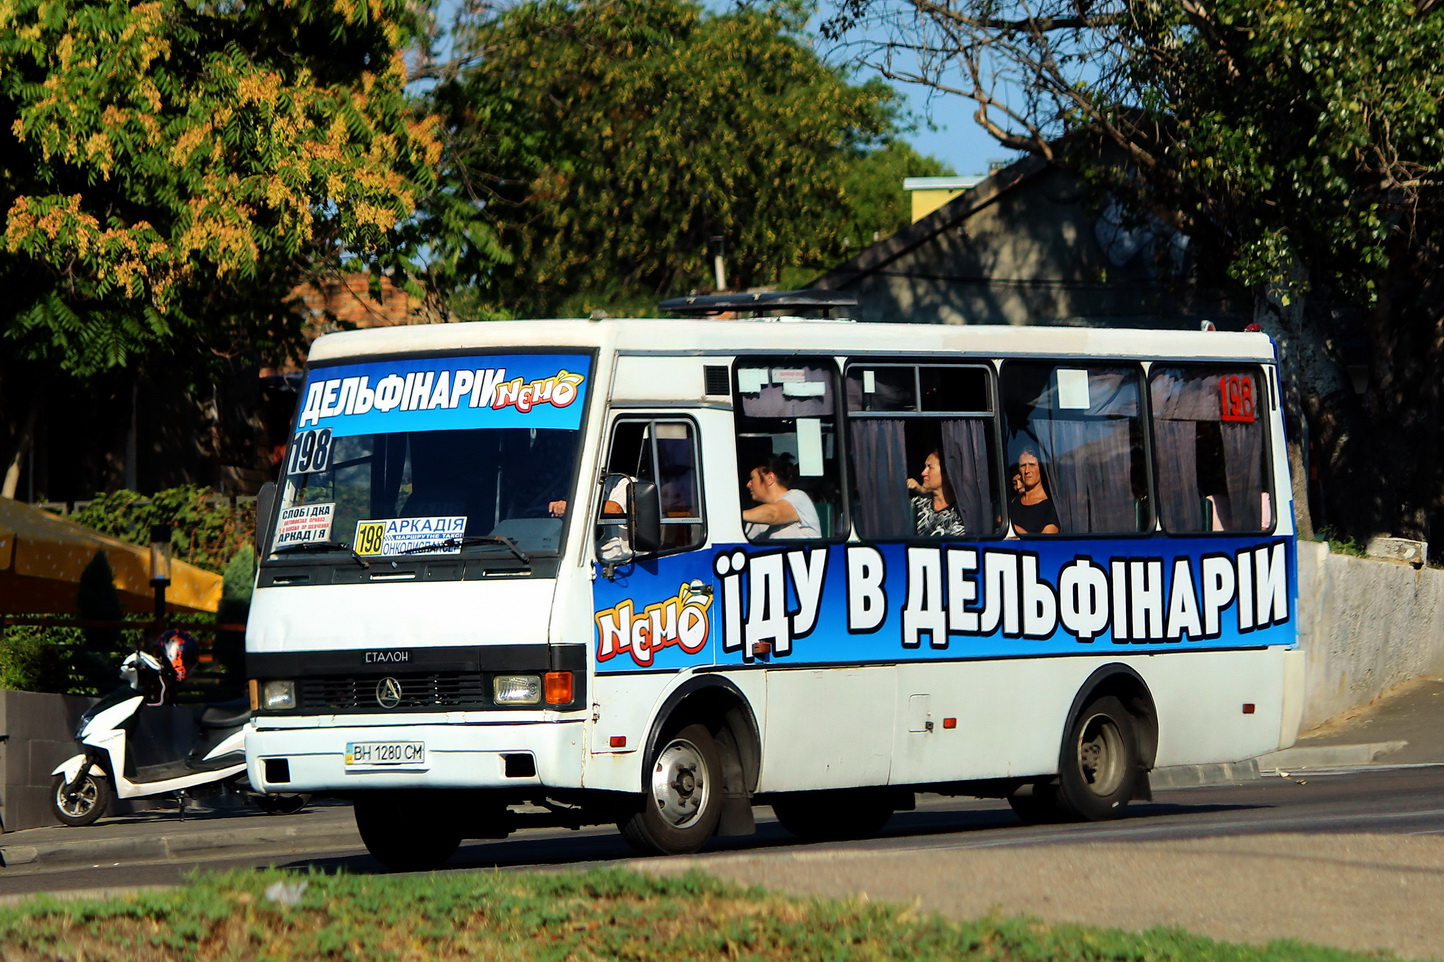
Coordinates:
x,y
576,917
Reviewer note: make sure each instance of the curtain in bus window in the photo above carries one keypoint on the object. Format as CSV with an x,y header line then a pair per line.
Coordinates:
x,y
785,391
965,464
1180,502
1204,460
880,473
1090,465
1243,474
1088,451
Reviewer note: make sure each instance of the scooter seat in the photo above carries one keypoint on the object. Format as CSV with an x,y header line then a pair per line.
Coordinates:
x,y
225,714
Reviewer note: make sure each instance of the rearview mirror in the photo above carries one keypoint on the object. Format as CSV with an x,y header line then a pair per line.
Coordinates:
x,y
646,521
265,513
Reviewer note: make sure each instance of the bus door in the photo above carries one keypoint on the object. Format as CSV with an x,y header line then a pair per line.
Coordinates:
x,y
652,607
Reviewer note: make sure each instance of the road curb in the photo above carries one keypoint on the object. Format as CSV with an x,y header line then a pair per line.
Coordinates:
x,y
1305,758
177,846
1198,776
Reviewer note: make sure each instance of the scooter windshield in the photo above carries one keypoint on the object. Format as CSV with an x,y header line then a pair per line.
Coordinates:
x,y
434,456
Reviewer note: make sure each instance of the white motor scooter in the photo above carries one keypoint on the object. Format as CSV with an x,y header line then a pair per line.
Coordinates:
x,y
86,783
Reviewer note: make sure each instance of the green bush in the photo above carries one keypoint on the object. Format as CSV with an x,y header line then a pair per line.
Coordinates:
x,y
239,580
38,659
206,533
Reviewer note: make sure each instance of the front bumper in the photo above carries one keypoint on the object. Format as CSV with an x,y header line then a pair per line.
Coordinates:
x,y
512,755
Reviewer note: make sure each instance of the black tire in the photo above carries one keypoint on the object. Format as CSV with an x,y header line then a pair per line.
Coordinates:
x,y
406,833
835,815
281,804
1099,766
1037,804
85,803
682,797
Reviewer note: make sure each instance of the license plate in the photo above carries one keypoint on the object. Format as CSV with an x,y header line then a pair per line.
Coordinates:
x,y
385,755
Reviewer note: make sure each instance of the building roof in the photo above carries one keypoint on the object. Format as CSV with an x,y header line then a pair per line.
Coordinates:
x,y
958,209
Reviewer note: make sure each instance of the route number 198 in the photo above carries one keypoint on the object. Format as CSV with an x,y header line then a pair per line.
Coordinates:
x,y
310,452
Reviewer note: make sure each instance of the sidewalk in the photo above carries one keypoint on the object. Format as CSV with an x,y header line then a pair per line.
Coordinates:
x,y
1404,728
162,835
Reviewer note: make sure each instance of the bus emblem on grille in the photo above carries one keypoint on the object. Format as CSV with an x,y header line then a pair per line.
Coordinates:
x,y
388,692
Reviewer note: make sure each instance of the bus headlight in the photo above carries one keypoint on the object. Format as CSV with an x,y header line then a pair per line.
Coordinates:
x,y
278,695
516,689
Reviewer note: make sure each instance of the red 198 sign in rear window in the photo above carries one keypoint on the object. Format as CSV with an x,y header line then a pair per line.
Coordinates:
x,y
1236,398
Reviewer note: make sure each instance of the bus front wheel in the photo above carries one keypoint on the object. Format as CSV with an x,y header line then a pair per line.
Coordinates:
x,y
682,796
1099,765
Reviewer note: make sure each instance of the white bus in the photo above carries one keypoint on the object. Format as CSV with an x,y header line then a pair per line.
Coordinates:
x,y
657,572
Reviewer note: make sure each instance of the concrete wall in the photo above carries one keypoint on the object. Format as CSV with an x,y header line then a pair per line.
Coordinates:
x,y
39,732
1365,626
41,729
1039,254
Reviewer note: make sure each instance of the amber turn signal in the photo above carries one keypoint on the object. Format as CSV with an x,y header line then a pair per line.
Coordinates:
x,y
557,687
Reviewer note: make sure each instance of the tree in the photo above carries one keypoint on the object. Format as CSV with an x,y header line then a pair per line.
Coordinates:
x,y
876,206
609,141
1297,142
170,171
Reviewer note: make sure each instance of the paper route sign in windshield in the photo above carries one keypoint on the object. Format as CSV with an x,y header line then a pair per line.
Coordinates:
x,y
446,393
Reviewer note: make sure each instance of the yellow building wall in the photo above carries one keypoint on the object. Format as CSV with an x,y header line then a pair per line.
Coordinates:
x,y
924,202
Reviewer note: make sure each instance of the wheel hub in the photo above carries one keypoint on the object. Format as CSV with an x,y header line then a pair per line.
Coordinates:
x,y
1100,755
678,786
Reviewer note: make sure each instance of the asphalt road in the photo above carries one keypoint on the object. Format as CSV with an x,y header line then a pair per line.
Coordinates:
x,y
1346,849
1353,860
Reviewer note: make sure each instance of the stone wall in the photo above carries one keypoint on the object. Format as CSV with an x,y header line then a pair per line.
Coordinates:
x,y
40,735
38,732
1365,626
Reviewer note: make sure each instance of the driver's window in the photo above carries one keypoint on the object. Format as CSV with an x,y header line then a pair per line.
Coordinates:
x,y
663,452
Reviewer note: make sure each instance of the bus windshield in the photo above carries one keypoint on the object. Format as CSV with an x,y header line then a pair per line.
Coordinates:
x,y
434,456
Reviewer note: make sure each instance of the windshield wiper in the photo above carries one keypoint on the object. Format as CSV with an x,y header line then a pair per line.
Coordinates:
x,y
472,539
322,546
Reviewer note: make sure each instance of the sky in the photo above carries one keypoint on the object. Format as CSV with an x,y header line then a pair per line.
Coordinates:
x,y
945,126
958,140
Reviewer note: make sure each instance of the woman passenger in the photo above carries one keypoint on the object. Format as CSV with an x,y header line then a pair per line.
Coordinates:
x,y
934,507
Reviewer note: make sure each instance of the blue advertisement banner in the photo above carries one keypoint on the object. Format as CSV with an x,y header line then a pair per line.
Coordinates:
x,y
446,393
859,603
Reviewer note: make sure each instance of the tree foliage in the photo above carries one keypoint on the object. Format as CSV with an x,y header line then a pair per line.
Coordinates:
x,y
169,170
1297,142
609,141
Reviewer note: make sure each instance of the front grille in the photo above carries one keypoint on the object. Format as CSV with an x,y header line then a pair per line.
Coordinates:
x,y
428,691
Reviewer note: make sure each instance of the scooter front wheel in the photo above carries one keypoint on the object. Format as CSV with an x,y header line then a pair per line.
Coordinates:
x,y
84,802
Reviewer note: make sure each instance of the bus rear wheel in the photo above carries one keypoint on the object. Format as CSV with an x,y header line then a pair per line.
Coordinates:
x,y
1099,767
835,815
682,796
406,834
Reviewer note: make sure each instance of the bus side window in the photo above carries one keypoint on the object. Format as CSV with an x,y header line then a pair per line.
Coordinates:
x,y
1080,427
923,450
1210,442
786,419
